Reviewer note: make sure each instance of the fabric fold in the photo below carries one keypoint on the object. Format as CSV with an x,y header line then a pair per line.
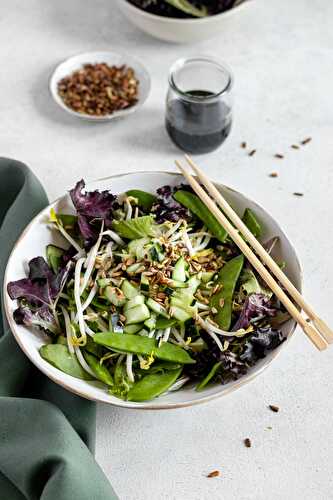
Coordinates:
x,y
46,432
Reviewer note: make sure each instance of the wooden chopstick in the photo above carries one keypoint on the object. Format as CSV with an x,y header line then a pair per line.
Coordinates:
x,y
308,329
321,326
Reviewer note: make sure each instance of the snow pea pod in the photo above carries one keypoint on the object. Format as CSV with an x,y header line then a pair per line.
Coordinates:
x,y
208,377
59,356
251,222
153,385
145,200
101,372
163,323
222,301
195,205
143,345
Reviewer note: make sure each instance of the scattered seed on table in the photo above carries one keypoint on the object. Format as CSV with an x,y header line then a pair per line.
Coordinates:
x,y
294,146
306,141
279,156
243,145
273,174
298,194
247,442
214,473
274,408
253,152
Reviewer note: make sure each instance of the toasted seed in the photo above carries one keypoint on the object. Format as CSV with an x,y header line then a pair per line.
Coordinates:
x,y
279,156
253,152
214,473
243,145
274,408
298,194
247,442
273,174
306,141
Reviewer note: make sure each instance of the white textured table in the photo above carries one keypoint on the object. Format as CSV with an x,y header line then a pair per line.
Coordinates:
x,y
281,52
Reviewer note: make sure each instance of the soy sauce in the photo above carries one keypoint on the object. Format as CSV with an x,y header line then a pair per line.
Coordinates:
x,y
198,126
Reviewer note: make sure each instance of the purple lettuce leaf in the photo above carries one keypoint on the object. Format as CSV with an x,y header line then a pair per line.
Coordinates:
x,y
41,287
166,208
92,207
231,367
40,317
259,343
257,304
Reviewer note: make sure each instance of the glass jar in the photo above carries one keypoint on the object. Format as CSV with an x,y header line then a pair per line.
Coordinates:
x,y
199,104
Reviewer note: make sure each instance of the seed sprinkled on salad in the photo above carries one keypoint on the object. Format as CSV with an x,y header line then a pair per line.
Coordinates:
x,y
147,294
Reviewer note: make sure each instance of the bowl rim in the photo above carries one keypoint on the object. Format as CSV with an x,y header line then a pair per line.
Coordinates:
x,y
175,20
53,81
145,405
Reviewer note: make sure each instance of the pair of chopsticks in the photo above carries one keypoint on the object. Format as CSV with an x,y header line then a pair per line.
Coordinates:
x,y
313,326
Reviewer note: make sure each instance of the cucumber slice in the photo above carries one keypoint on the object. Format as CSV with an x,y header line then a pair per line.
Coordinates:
x,y
103,282
156,252
143,332
151,322
137,314
131,329
129,290
179,303
185,296
177,284
207,276
179,272
144,285
136,301
193,283
53,255
180,314
133,268
136,247
115,296
157,308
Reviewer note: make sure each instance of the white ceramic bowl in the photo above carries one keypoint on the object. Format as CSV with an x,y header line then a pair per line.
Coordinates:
x,y
176,30
34,240
112,59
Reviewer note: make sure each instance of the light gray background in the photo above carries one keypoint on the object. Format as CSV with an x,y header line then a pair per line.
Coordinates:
x,y
281,52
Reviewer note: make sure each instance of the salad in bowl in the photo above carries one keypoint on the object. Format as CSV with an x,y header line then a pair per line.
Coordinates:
x,y
147,295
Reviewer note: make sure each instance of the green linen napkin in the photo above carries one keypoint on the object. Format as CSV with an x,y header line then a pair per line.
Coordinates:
x,y
45,432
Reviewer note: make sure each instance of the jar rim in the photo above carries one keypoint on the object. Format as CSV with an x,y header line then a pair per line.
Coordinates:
x,y
182,62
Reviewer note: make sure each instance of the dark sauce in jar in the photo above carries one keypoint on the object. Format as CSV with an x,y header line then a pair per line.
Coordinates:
x,y
198,126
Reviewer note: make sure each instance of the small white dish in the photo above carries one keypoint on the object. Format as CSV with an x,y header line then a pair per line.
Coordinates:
x,y
36,237
74,63
176,30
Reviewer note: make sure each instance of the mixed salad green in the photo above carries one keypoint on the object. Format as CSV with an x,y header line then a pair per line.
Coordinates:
x,y
148,294
185,8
